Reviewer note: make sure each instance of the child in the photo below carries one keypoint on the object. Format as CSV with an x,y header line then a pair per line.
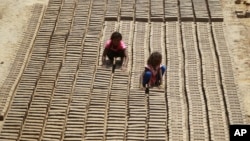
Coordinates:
x,y
115,47
153,71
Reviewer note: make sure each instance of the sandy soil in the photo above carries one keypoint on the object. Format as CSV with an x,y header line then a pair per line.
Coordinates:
x,y
14,15
238,38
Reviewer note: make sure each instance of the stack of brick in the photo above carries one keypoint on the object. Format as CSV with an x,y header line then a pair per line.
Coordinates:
x,y
127,9
215,10
157,12
200,10
171,10
186,10
141,10
112,10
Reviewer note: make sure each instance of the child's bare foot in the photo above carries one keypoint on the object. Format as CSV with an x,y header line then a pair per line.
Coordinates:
x,y
142,88
103,64
160,87
123,68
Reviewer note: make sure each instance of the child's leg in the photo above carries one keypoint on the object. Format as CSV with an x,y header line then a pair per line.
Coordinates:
x,y
146,77
111,55
121,54
163,69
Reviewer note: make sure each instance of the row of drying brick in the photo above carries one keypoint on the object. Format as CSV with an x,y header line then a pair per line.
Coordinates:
x,y
91,109
186,10
54,53
26,87
97,106
118,110
147,118
157,41
127,31
112,10
177,107
101,108
19,61
88,62
211,84
67,84
193,87
137,102
231,92
201,10
156,100
54,85
215,10
168,10
140,52
127,10
98,110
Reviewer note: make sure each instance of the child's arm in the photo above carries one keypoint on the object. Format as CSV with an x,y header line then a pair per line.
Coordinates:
x,y
141,80
104,55
126,58
160,76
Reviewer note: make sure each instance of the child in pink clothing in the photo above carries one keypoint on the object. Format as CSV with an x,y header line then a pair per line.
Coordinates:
x,y
115,47
153,72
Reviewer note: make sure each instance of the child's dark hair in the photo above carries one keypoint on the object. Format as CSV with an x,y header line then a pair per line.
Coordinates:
x,y
154,59
116,35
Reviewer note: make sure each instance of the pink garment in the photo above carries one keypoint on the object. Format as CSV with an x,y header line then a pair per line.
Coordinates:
x,y
154,73
121,46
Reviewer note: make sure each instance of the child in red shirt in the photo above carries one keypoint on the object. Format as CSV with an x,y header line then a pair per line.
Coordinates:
x,y
153,72
115,47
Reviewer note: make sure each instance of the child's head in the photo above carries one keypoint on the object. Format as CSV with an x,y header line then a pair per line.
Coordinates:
x,y
155,59
116,37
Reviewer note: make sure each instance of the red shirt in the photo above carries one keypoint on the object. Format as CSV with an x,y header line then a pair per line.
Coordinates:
x,y
154,73
120,47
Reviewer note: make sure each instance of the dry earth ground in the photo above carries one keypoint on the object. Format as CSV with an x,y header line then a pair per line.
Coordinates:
x,y
238,38
14,15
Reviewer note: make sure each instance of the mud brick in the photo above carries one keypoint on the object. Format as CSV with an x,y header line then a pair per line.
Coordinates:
x,y
8,137
237,1
52,135
247,14
202,19
240,14
247,2
169,18
110,18
141,19
128,18
157,19
184,19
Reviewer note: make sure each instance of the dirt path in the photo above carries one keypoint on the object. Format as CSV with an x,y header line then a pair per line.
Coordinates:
x,y
238,35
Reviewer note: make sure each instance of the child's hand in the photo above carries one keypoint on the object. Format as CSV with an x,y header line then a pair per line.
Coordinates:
x,y
103,61
123,68
142,88
103,64
160,87
160,81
